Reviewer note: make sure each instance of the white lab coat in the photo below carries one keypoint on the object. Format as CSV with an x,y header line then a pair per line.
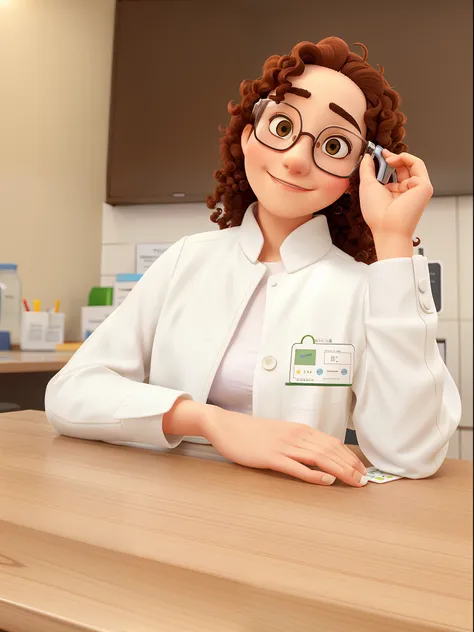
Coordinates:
x,y
168,337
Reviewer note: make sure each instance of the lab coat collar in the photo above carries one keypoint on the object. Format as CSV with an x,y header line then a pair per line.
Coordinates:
x,y
304,246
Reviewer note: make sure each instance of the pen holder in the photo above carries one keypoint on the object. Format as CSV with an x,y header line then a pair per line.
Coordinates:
x,y
41,331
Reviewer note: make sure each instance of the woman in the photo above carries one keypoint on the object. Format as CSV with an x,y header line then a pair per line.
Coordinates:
x,y
308,308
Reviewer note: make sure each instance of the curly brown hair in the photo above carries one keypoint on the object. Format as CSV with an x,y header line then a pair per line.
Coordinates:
x,y
385,126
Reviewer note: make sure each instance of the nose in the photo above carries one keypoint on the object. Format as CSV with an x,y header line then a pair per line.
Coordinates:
x,y
298,159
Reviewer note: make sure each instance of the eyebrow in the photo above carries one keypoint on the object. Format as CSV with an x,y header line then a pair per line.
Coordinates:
x,y
338,110
300,92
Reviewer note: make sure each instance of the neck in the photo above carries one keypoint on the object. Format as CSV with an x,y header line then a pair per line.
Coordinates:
x,y
275,230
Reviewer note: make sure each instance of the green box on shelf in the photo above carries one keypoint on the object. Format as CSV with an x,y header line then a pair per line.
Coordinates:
x,y
101,296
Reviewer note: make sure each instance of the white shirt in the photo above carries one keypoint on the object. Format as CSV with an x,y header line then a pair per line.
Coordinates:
x,y
366,334
233,384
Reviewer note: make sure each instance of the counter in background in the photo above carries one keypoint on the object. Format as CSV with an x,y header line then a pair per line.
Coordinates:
x,y
24,375
33,361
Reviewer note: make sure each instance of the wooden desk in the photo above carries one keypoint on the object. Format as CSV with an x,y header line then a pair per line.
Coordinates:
x,y
102,537
33,361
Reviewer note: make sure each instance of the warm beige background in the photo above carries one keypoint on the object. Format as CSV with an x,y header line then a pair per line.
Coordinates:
x,y
55,63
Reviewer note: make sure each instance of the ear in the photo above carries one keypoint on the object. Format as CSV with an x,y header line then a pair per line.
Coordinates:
x,y
244,139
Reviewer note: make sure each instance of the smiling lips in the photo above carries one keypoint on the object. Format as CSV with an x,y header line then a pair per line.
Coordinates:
x,y
288,185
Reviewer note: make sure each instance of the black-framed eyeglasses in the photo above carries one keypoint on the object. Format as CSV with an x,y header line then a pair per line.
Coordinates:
x,y
336,150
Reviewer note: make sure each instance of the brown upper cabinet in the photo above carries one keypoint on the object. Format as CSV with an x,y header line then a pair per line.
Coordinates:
x,y
178,63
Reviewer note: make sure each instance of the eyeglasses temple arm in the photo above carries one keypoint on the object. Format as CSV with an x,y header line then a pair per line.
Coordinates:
x,y
385,173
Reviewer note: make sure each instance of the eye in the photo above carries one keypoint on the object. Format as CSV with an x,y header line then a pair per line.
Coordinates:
x,y
337,147
281,126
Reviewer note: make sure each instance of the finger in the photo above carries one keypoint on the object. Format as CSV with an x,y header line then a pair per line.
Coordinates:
x,y
346,462
354,461
288,466
347,474
393,188
346,458
401,187
410,183
402,170
415,165
313,444
367,169
310,456
328,462
403,173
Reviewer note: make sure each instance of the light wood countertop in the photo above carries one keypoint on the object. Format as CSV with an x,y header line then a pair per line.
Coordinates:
x,y
109,538
33,361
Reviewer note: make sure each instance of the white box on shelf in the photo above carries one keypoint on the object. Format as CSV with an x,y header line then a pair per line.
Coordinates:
x,y
147,254
92,316
41,331
124,283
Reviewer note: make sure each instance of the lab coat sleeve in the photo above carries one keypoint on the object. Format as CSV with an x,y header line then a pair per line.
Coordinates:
x,y
407,406
102,392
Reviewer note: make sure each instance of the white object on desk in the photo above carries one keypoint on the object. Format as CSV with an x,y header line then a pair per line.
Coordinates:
x,y
92,316
10,301
41,331
147,254
124,284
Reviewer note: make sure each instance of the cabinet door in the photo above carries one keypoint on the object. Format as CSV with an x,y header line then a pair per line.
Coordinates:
x,y
168,99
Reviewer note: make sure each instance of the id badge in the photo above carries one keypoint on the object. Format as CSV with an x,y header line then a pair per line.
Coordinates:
x,y
321,364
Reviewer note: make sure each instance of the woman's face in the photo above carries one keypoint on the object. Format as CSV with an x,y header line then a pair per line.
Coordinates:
x,y
288,183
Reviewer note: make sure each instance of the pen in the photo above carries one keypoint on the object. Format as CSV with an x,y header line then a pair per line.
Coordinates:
x,y
25,303
36,305
56,307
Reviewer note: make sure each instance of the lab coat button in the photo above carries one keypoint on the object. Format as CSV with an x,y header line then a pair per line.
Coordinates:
x,y
423,285
427,304
269,363
273,282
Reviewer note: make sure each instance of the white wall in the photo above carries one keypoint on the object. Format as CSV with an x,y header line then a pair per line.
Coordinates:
x,y
55,69
123,227
446,234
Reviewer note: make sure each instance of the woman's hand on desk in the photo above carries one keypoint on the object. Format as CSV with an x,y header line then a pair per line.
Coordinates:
x,y
282,446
